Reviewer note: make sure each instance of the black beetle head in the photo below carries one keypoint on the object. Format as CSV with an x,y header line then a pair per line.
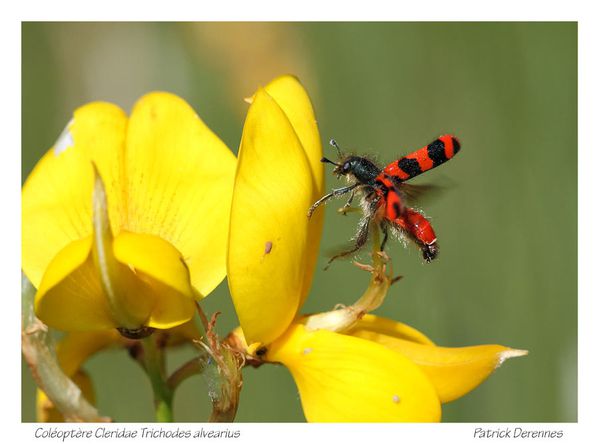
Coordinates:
x,y
358,168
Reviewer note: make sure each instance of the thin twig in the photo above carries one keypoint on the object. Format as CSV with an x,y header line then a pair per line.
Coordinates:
x,y
39,352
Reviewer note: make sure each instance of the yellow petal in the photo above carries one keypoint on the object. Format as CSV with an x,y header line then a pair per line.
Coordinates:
x,y
453,371
75,348
293,99
56,197
269,233
179,181
346,379
154,256
161,267
70,296
123,291
376,328
152,290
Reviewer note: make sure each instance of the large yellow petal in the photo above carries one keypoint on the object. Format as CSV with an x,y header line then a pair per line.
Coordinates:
x,y
152,290
347,379
453,371
179,181
376,328
165,275
57,195
269,231
70,296
293,99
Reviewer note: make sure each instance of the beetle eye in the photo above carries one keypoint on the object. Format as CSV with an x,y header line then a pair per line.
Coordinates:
x,y
346,167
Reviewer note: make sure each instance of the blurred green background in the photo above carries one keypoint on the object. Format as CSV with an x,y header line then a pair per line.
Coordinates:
x,y
506,222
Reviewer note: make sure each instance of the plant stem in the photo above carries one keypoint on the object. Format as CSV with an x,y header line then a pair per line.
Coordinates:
x,y
222,373
192,367
39,352
154,366
341,320
376,247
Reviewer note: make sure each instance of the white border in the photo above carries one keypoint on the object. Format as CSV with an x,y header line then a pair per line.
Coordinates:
x,y
292,433
373,10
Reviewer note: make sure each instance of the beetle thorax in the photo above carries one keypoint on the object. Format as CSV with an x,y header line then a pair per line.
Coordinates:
x,y
359,169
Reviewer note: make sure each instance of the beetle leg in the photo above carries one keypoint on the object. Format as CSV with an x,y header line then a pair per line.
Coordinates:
x,y
385,230
344,210
361,238
334,193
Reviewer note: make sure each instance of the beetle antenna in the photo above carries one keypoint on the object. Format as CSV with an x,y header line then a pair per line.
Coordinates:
x,y
325,160
333,143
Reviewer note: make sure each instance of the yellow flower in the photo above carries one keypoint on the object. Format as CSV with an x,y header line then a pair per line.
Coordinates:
x,y
125,220
374,370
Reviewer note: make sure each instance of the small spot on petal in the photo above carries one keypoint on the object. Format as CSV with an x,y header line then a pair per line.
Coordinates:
x,y
65,140
396,399
307,350
267,247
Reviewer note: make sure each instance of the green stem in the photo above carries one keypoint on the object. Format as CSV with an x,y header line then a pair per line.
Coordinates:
x,y
154,366
192,367
376,247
